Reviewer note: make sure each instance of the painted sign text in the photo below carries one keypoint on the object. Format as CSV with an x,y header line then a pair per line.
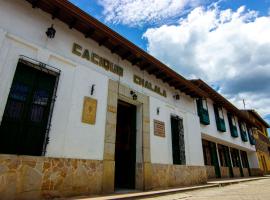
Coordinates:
x,y
96,59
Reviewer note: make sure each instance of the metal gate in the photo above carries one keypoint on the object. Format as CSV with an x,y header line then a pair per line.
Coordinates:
x,y
26,120
178,143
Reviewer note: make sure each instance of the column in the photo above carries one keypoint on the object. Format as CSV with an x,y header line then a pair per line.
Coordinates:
x,y
218,155
230,156
241,164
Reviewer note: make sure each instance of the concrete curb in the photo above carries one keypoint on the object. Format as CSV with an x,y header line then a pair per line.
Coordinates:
x,y
230,182
150,193
136,195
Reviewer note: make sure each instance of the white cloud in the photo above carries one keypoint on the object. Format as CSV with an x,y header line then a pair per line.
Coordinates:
x,y
137,12
223,47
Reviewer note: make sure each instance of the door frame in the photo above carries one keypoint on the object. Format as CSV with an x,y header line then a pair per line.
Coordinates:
x,y
143,178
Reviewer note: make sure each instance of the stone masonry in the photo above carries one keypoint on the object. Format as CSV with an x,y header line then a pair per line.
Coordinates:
x,y
27,177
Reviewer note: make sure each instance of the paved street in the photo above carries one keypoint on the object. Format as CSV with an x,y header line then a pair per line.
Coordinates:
x,y
253,190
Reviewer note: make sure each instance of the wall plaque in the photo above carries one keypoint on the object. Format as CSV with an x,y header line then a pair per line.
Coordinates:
x,y
159,128
89,110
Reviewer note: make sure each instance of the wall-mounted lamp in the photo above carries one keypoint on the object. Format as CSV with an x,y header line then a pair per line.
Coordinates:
x,y
92,89
158,110
51,32
134,95
176,97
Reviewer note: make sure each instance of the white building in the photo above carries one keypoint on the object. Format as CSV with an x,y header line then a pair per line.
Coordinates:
x,y
228,142
84,111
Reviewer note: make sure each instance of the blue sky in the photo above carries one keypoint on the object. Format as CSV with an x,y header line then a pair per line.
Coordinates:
x,y
224,42
134,34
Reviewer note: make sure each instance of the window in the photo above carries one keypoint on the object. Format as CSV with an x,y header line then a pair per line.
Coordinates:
x,y
203,111
232,124
251,137
235,157
222,155
24,127
210,155
178,142
207,153
244,159
243,131
243,127
219,118
233,120
220,113
204,101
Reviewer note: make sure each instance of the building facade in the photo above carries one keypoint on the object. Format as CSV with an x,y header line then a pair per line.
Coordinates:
x,y
84,111
227,135
262,140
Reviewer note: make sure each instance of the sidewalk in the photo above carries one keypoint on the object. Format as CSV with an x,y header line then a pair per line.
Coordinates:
x,y
135,195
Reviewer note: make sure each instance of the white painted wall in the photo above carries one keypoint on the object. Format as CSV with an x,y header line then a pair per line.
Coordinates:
x,y
161,148
23,33
68,136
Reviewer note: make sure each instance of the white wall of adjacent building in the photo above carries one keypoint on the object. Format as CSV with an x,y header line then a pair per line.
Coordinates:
x,y
23,33
210,131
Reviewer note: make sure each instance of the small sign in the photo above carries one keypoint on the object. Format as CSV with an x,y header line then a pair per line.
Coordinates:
x,y
159,128
89,110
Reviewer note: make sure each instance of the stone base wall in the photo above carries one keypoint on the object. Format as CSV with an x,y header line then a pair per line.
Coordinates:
x,y
236,172
27,177
245,172
225,172
256,172
165,176
210,171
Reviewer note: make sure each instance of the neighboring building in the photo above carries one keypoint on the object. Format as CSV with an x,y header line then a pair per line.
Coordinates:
x,y
85,111
262,140
227,136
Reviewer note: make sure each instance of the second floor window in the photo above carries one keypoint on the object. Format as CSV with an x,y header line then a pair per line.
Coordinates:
x,y
232,124
219,118
220,113
233,120
203,111
243,131
251,137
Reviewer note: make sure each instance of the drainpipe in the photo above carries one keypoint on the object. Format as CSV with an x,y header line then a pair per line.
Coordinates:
x,y
143,175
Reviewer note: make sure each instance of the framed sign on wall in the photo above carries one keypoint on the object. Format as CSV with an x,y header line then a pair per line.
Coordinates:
x,y
159,128
89,110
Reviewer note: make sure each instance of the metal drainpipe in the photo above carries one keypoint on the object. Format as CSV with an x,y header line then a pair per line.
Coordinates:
x,y
143,153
